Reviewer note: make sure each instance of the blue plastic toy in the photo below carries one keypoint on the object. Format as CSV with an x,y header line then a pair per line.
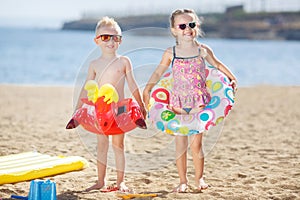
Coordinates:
x,y
40,190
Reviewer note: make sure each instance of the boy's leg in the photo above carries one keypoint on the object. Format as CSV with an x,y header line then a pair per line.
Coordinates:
x,y
198,159
118,148
102,149
181,157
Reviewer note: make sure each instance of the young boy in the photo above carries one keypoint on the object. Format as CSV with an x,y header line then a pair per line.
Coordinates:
x,y
113,69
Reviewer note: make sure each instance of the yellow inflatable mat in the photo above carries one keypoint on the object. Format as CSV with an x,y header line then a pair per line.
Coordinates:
x,y
31,165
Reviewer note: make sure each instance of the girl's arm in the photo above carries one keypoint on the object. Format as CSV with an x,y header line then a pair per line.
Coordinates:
x,y
133,87
214,61
160,69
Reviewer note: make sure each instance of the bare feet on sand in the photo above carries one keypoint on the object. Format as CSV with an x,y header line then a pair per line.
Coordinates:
x,y
181,188
202,184
98,186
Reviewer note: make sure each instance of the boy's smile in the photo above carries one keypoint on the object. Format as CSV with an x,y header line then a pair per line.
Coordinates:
x,y
108,39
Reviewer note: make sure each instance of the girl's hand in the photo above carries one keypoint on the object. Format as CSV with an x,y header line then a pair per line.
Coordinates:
x,y
146,97
233,83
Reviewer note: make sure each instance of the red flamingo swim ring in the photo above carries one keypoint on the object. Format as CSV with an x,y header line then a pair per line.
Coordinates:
x,y
103,113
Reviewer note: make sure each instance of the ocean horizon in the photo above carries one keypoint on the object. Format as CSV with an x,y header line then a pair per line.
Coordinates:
x,y
56,57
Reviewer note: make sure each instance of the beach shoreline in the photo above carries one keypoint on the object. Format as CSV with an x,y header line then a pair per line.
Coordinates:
x,y
255,157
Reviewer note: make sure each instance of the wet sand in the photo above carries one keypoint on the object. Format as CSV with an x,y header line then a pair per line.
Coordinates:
x,y
256,156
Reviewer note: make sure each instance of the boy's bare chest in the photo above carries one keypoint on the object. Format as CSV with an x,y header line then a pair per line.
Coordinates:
x,y
111,70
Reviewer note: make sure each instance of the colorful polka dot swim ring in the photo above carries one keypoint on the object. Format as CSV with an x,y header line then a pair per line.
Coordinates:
x,y
164,119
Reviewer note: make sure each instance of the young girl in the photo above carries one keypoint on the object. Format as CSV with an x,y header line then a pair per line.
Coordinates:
x,y
189,94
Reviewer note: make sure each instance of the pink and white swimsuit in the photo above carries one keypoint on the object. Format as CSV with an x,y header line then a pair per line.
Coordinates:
x,y
189,86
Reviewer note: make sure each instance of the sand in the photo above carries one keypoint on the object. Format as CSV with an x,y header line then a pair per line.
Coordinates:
x,y
257,155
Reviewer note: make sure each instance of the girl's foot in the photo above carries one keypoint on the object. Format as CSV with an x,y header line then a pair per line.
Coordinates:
x,y
181,188
202,184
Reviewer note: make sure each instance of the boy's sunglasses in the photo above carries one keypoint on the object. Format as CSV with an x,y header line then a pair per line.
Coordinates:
x,y
106,37
183,26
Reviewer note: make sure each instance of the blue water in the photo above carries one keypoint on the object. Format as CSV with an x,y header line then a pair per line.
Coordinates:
x,y
55,57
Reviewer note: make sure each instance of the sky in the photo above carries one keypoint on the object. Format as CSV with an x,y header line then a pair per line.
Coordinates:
x,y
53,13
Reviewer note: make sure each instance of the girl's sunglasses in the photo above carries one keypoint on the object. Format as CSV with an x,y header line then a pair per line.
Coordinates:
x,y
106,37
183,26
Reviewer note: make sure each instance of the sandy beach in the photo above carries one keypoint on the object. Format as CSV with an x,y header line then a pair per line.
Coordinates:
x,y
257,155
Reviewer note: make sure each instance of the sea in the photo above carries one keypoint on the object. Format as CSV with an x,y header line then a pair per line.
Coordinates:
x,y
31,56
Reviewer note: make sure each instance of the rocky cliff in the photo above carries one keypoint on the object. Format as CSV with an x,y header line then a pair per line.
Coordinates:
x,y
234,24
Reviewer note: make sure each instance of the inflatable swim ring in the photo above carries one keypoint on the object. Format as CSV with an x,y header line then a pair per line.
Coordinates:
x,y
164,119
103,113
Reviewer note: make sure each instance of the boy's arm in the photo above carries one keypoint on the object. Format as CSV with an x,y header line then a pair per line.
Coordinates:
x,y
133,87
90,76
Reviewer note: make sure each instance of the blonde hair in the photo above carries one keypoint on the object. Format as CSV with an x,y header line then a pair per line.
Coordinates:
x,y
108,21
186,11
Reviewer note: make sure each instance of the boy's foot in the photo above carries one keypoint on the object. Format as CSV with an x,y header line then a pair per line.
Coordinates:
x,y
109,189
181,188
112,188
97,186
123,188
202,184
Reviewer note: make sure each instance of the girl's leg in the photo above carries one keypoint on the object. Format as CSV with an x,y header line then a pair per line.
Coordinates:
x,y
102,149
181,157
198,159
118,147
